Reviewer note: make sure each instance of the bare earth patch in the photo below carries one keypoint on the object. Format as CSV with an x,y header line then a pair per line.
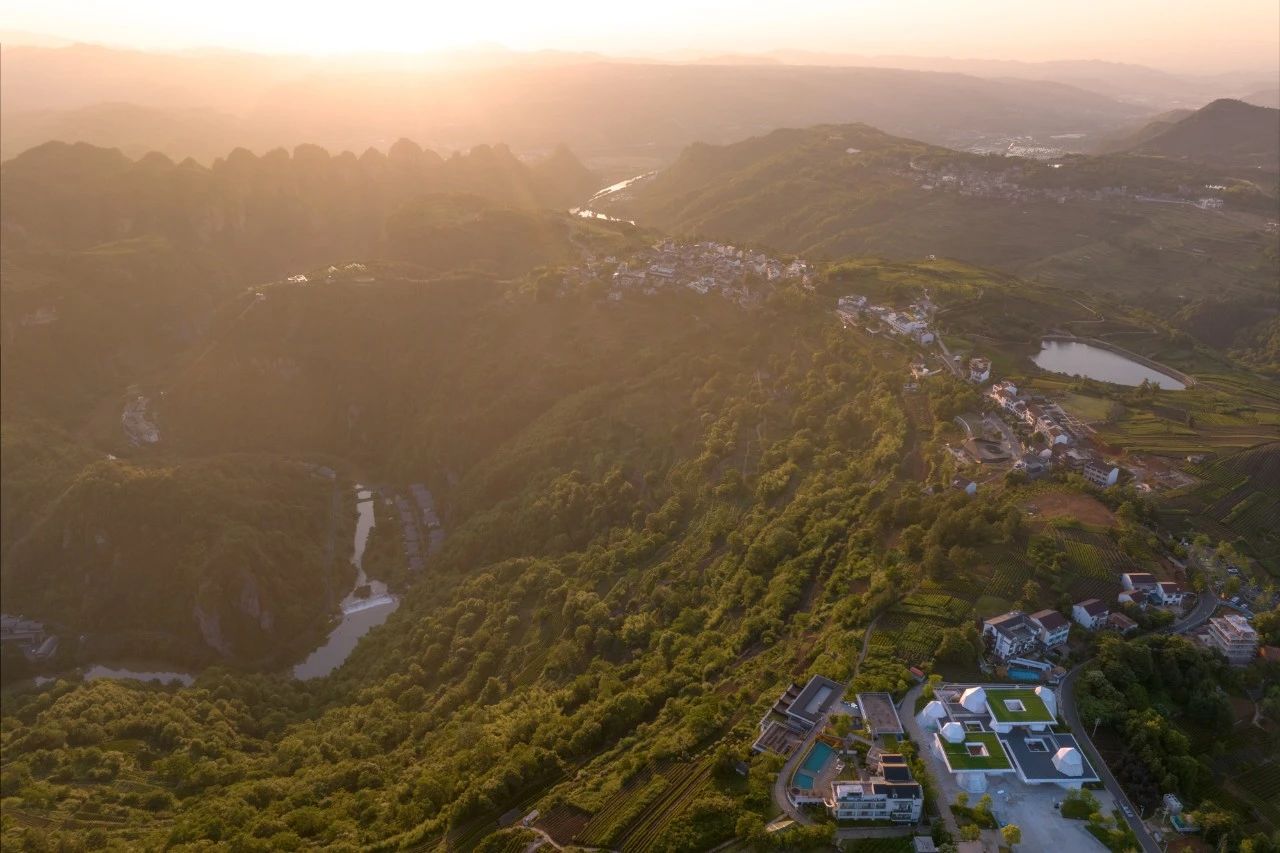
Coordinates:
x,y
1084,508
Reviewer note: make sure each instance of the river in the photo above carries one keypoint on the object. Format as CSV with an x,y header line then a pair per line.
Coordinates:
x,y
1077,358
360,613
586,212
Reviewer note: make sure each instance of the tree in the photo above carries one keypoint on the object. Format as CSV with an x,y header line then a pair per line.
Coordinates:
x,y
1030,595
970,832
1011,834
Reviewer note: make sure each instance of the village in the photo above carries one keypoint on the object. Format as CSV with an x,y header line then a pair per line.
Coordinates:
x,y
743,276
1004,184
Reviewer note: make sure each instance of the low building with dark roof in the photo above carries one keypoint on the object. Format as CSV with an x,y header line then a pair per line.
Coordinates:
x,y
1091,613
1052,628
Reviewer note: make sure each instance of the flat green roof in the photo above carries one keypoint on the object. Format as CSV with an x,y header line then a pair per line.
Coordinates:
x,y
1034,709
959,758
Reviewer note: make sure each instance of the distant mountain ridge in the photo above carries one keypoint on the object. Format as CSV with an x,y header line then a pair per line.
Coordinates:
x,y
605,109
270,207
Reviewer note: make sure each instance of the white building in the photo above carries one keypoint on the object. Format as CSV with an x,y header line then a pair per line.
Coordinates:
x,y
1052,627
1234,637
1090,613
1170,593
1101,475
891,795
1010,634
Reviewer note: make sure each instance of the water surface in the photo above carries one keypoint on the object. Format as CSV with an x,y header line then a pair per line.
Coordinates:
x,y
360,613
1077,358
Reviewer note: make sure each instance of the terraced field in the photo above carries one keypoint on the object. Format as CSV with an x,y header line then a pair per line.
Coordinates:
x,y
911,630
1238,499
685,781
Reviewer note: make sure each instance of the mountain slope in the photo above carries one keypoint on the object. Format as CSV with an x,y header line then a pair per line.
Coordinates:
x,y
833,191
213,560
1224,133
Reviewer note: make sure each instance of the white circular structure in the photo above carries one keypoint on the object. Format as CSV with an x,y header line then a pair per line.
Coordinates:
x,y
1068,761
974,700
1050,701
953,732
930,715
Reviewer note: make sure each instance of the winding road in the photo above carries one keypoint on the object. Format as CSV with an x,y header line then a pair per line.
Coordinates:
x,y
1200,614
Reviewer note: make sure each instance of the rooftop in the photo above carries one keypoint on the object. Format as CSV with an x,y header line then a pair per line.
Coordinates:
x,y
879,712
1033,753
978,751
1092,606
814,700
1050,619
1017,706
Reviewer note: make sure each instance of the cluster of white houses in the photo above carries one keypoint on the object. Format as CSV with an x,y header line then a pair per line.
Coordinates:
x,y
983,732
1142,588
911,322
1015,633
703,267
1045,419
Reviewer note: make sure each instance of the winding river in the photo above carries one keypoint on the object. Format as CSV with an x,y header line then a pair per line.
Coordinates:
x,y
360,613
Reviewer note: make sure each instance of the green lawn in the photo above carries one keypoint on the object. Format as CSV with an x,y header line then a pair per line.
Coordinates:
x,y
958,757
1034,707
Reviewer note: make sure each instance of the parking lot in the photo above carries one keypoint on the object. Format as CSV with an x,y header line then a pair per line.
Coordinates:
x,y
1031,807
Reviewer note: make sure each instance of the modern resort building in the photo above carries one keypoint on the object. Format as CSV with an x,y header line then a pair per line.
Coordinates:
x,y
981,731
796,713
890,795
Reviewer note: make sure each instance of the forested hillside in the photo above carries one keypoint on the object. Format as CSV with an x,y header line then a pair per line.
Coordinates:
x,y
1225,133
210,560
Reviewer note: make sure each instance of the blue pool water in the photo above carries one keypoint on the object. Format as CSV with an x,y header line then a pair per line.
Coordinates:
x,y
817,758
1024,675
813,764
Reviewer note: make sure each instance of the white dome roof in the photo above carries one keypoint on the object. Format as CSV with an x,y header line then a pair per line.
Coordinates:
x,y
974,700
953,732
1068,761
1050,701
934,709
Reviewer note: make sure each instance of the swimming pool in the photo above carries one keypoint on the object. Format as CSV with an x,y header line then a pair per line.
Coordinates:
x,y
813,764
1024,674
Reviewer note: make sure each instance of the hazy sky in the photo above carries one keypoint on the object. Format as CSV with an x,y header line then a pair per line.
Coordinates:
x,y
1172,34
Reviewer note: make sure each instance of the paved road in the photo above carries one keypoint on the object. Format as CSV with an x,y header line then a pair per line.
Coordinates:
x,y
946,356
1207,603
1067,699
1198,616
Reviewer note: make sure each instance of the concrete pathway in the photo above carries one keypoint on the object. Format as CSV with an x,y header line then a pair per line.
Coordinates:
x,y
944,785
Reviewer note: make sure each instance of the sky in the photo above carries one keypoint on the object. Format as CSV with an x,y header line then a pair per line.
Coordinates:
x,y
1178,35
